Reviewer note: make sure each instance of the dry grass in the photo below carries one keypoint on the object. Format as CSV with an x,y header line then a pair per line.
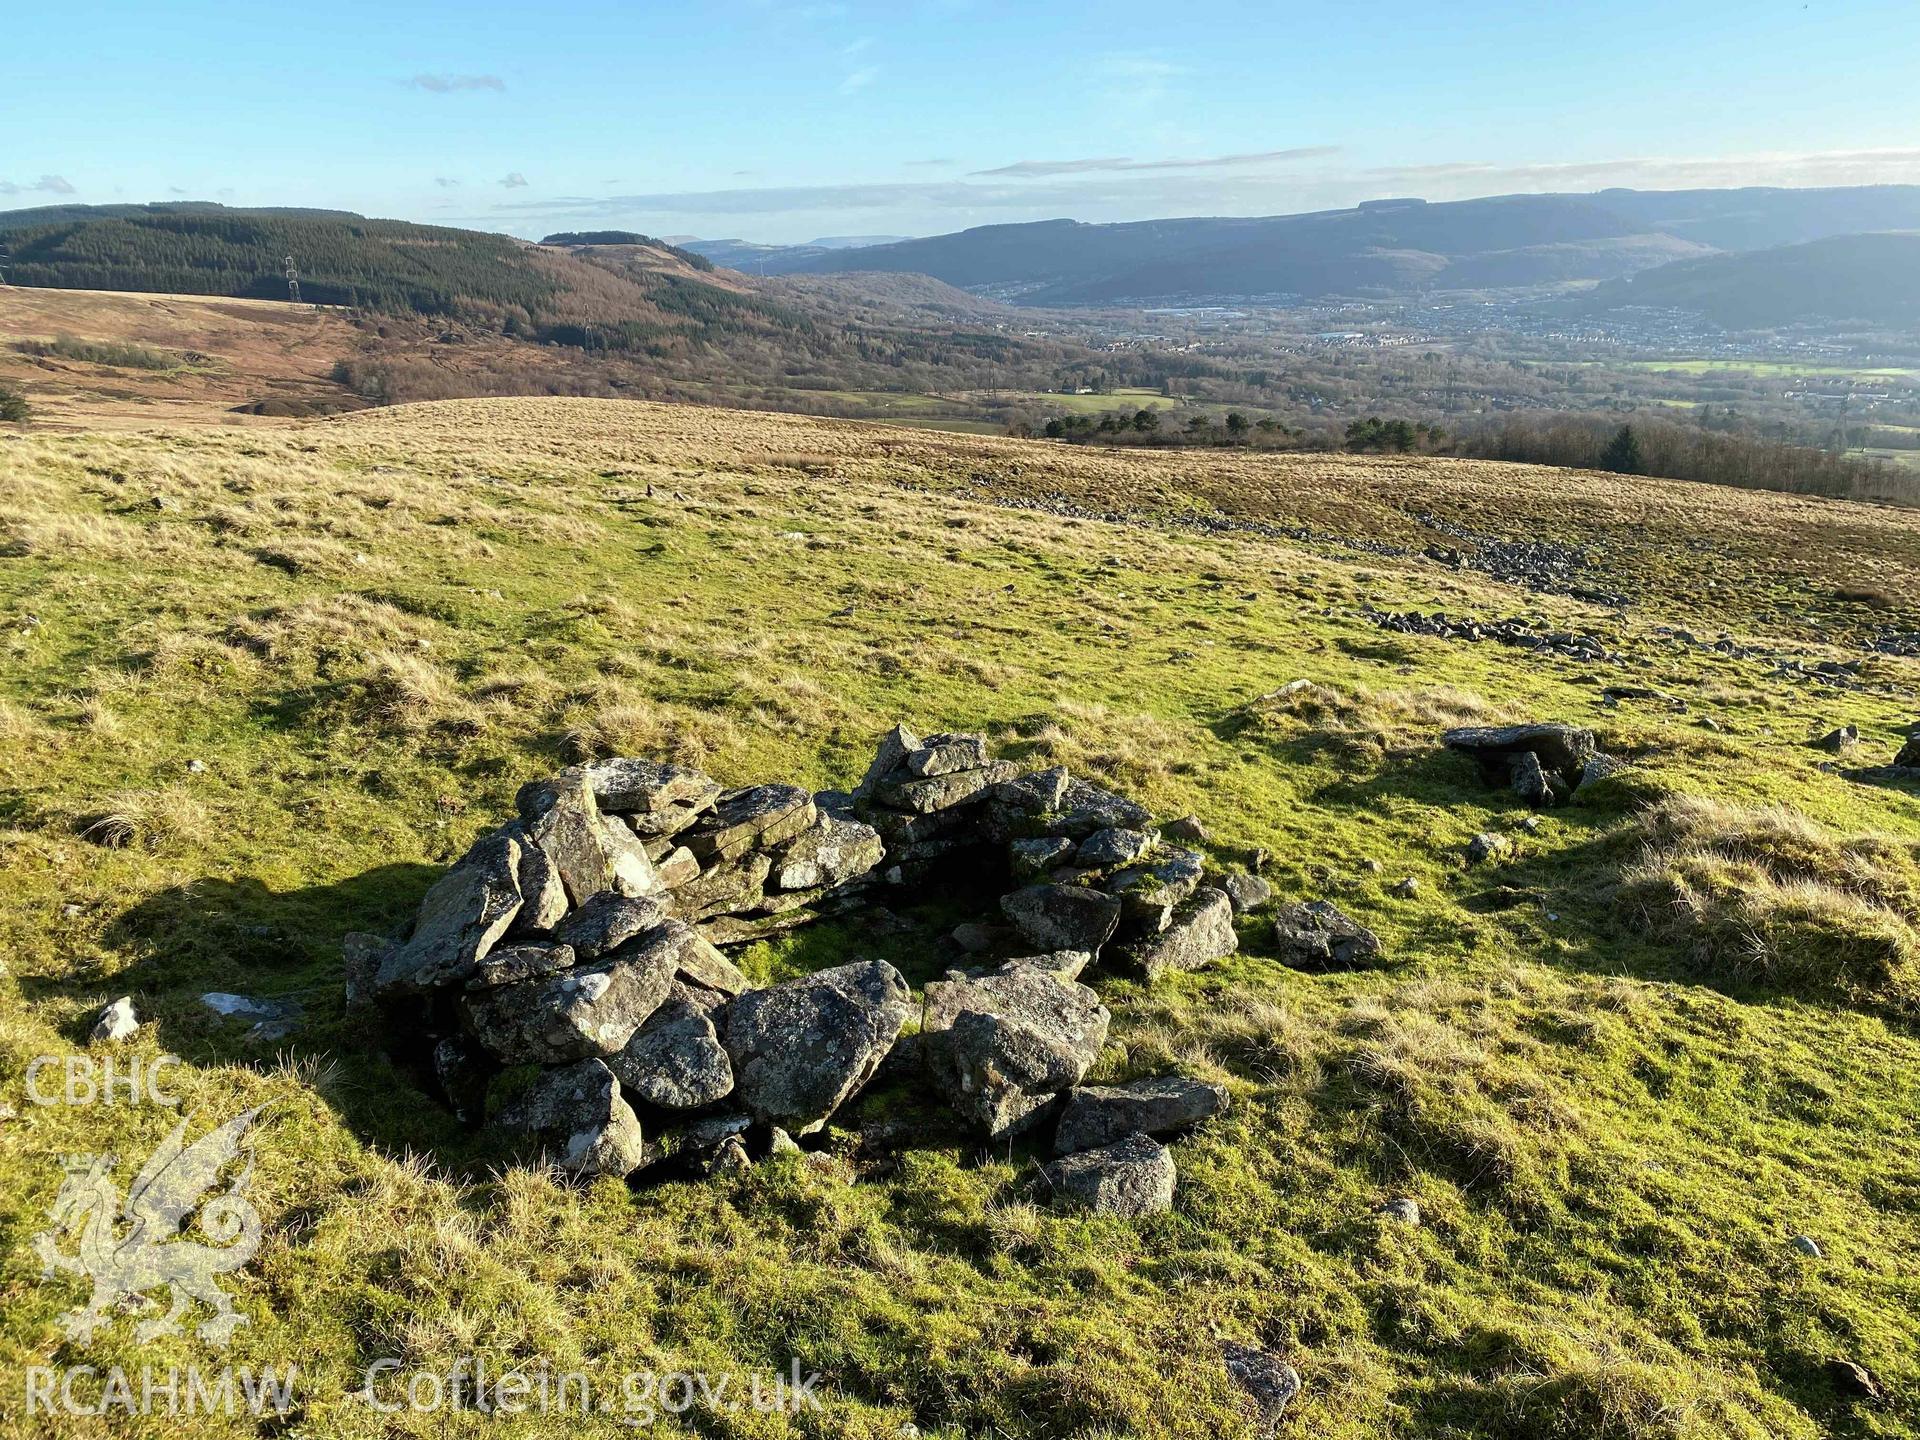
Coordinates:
x,y
1764,895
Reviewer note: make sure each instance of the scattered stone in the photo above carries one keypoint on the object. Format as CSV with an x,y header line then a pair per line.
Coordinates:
x,y
675,1060
1189,829
577,1112
1098,1115
1002,1046
779,1142
1909,756
1062,917
115,1023
1149,893
361,955
1067,964
1807,1246
1598,768
1406,889
1838,742
1405,1210
1268,1382
1105,848
800,1049
1854,1380
1247,892
1199,933
1484,846
1317,936
273,1018
1529,780
1371,867
1131,1178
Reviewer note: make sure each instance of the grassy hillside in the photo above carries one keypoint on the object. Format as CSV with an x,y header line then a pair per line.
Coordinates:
x,y
1619,1069
1869,278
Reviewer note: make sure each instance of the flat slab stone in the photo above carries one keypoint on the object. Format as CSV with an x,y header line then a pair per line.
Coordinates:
x,y
1099,1115
1110,847
945,790
1085,807
945,754
468,909
1131,1177
511,964
606,922
836,850
1562,749
754,817
587,1011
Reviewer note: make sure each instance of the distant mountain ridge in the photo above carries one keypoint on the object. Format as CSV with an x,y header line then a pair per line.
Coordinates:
x,y
1873,279
1381,248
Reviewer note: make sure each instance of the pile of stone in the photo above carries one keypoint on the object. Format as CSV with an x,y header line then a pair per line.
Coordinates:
x,y
569,980
1541,763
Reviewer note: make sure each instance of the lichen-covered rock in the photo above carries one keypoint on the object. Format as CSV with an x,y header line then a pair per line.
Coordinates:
x,y
1267,1381
1199,932
587,1011
891,756
360,957
511,964
675,1060
1247,892
1148,893
1002,1046
577,1113
676,867
1067,964
946,754
1317,936
837,850
1032,859
754,817
1062,917
801,1048
1105,848
543,897
1909,756
1084,808
591,852
468,909
1562,750
1528,779
1131,1178
944,791
606,922
731,885
653,798
1097,1115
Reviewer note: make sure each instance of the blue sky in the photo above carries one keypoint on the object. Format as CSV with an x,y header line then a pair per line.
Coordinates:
x,y
784,121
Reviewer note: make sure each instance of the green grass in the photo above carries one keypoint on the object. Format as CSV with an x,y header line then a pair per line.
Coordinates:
x,y
369,632
1775,369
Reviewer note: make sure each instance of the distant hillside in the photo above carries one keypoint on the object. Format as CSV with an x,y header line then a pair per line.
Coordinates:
x,y
1383,248
1869,278
38,215
575,238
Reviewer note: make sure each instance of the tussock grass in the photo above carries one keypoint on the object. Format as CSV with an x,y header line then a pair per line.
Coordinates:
x,y
1764,895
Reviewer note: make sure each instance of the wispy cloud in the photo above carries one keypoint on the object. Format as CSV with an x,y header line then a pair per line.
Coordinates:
x,y
1122,163
451,84
513,180
45,185
1818,167
446,182
860,79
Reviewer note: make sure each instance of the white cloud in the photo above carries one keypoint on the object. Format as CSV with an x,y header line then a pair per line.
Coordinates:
x,y
449,84
45,185
858,80
513,180
1024,168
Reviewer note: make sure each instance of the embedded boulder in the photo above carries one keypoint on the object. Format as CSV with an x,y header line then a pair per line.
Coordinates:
x,y
675,1060
1098,1115
1062,917
1131,1177
1002,1046
1561,751
577,1113
801,1048
1317,936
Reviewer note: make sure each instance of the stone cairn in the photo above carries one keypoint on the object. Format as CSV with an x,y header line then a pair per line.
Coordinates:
x,y
569,974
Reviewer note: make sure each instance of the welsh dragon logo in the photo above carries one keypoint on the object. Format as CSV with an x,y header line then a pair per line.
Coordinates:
x,y
128,1250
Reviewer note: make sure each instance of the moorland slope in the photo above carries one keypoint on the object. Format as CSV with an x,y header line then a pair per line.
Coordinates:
x,y
262,685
